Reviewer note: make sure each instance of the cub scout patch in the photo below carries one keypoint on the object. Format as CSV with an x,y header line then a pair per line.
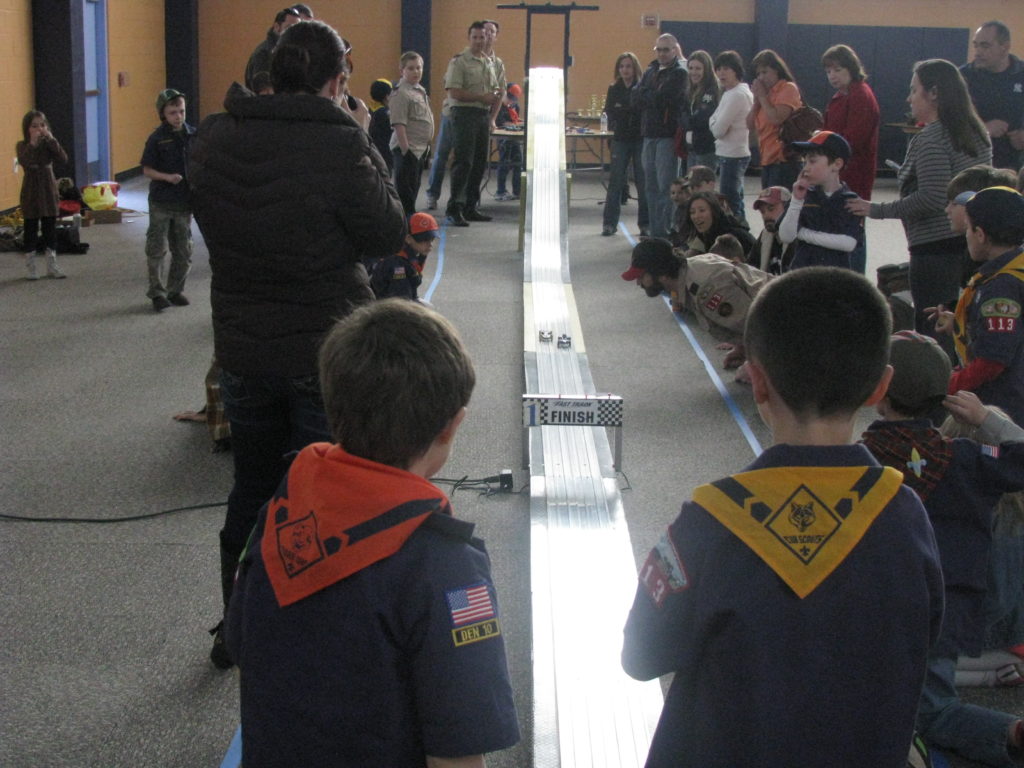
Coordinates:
x,y
663,571
473,615
1001,315
801,521
299,544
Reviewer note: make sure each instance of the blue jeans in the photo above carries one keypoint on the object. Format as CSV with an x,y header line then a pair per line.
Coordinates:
x,y
270,416
660,166
780,174
946,722
730,182
510,159
442,148
624,153
707,159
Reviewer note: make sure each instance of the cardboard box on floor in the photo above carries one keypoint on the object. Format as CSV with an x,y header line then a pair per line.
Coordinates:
x,y
109,216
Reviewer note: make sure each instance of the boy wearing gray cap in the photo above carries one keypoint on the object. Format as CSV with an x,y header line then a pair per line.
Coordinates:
x,y
960,483
164,162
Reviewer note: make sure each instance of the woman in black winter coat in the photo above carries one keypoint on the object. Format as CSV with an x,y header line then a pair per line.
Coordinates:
x,y
627,145
705,93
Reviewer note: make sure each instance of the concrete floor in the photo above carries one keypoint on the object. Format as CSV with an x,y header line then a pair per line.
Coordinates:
x,y
104,653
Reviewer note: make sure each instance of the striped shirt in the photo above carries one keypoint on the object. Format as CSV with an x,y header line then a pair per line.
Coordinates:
x,y
930,164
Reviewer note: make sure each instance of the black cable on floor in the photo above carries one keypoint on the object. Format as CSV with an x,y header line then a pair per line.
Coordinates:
x,y
101,520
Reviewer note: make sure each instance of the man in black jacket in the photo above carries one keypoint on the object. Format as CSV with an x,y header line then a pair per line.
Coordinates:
x,y
661,96
259,61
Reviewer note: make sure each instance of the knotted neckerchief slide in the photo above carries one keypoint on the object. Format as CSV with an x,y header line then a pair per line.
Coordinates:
x,y
337,514
801,521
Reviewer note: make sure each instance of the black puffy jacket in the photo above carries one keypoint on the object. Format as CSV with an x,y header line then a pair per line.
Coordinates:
x,y
661,96
289,196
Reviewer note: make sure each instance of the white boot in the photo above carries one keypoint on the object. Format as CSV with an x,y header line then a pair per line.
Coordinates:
x,y
51,265
30,264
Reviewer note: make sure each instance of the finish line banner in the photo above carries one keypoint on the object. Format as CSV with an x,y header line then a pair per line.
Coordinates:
x,y
582,411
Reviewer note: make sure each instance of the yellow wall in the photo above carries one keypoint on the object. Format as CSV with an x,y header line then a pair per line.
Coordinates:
x,y
16,90
135,44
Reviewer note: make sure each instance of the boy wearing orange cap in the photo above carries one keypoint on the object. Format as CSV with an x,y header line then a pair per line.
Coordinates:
x,y
400,275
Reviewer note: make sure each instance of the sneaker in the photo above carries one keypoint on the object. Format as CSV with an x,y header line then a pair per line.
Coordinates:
x,y
219,653
456,219
607,231
474,215
503,197
178,299
431,202
160,303
30,264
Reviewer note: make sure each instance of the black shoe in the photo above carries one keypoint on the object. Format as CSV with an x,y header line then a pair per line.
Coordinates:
x,y
178,299
160,303
607,231
645,232
474,215
456,219
219,653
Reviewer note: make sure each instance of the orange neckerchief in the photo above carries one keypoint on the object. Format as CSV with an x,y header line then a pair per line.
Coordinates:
x,y
339,514
1014,267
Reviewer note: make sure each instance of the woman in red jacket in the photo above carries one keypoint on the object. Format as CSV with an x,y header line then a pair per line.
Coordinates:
x,y
853,113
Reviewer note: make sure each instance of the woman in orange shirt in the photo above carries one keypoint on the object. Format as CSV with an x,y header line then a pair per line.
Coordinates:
x,y
776,97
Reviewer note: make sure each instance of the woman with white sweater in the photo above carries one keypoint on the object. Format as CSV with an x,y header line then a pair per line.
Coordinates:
x,y
728,125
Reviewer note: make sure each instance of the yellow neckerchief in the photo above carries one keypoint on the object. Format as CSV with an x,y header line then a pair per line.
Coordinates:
x,y
801,521
1014,267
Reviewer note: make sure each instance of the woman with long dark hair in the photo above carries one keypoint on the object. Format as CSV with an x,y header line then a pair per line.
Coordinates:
x,y
627,145
290,198
776,97
705,93
953,138
707,220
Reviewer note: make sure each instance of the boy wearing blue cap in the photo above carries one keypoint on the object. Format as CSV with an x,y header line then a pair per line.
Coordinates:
x,y
986,326
825,232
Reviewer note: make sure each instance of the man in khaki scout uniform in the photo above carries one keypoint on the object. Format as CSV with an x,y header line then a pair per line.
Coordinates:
x,y
491,28
473,90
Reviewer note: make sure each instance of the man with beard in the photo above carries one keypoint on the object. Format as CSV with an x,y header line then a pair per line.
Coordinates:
x,y
768,253
710,287
259,61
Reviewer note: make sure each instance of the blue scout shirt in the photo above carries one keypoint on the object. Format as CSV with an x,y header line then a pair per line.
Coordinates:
x,y
167,151
994,333
828,214
764,678
401,659
960,482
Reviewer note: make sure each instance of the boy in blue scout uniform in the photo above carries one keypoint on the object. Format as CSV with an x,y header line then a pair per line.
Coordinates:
x,y
986,326
400,276
795,601
825,232
164,162
960,483
364,619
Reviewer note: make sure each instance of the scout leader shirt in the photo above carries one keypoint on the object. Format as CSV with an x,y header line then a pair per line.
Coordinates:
x,y
763,676
471,73
365,624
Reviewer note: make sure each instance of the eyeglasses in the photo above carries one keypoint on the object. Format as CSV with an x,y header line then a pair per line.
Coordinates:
x,y
347,53
663,50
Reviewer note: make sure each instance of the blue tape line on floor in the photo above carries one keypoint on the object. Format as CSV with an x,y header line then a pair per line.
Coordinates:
x,y
233,758
737,415
439,269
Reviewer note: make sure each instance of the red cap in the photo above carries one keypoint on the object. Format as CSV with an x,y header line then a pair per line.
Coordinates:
x,y
422,224
633,273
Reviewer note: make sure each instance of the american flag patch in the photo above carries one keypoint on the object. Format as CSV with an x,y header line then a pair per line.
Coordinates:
x,y
470,604
991,451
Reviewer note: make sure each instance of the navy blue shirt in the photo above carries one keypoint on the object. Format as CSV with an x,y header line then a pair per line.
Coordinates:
x,y
994,333
827,213
167,151
960,483
764,678
999,96
380,668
